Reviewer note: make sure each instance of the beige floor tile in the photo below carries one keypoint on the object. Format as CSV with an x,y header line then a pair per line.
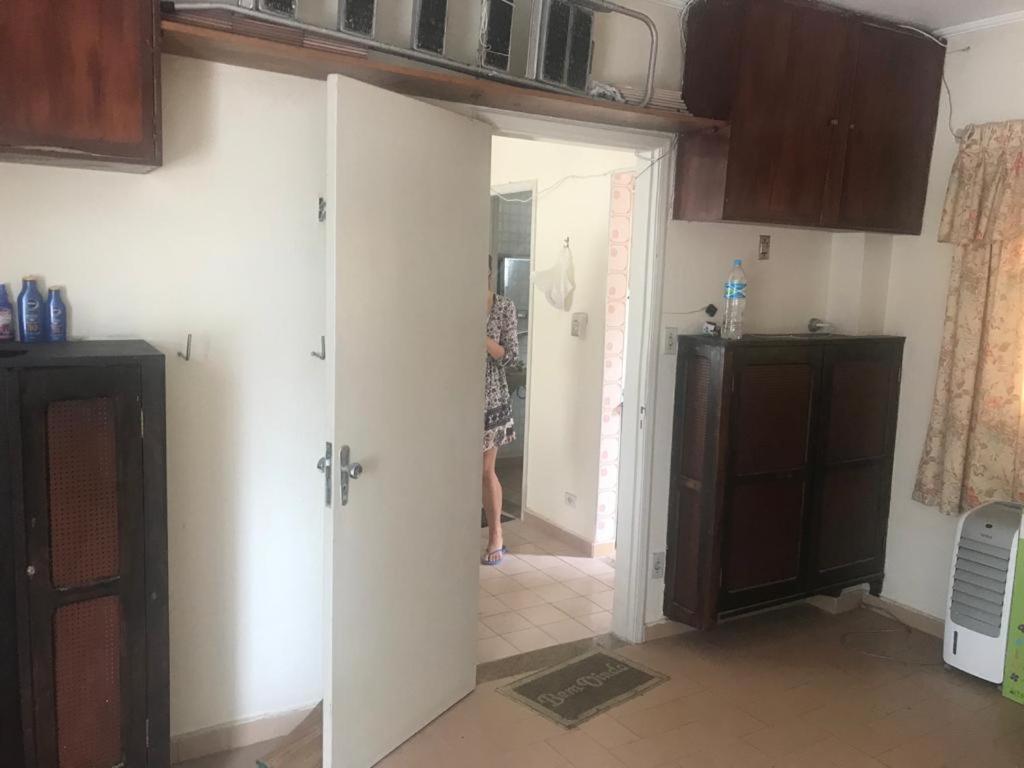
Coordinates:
x,y
530,639
512,565
488,606
567,631
539,615
489,572
583,751
500,585
594,567
553,593
830,753
544,562
492,648
607,731
245,757
539,755
533,579
783,739
607,578
586,585
604,600
563,572
600,622
503,623
483,631
523,598
578,606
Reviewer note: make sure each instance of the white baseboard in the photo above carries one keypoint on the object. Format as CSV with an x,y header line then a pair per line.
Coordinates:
x,y
922,622
241,733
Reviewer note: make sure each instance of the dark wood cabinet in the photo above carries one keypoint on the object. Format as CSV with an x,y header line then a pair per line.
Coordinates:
x,y
79,83
781,465
83,563
832,118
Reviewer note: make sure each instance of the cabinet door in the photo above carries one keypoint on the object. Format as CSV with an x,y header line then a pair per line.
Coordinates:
x,y
786,112
774,390
78,82
83,513
860,391
12,675
693,566
893,105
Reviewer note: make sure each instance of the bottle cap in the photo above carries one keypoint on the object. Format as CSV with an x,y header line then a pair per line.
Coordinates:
x,y
737,263
30,277
56,288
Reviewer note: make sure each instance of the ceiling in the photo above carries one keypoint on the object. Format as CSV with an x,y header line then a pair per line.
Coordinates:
x,y
934,14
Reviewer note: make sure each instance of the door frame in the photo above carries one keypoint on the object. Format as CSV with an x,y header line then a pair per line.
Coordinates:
x,y
507,189
636,458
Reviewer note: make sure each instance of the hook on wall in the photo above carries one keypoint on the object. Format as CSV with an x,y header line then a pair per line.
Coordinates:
x,y
565,243
322,354
188,349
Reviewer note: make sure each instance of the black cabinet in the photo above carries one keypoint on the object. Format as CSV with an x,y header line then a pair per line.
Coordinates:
x,y
781,466
83,556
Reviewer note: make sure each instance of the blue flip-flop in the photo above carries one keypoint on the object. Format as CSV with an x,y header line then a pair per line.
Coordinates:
x,y
499,552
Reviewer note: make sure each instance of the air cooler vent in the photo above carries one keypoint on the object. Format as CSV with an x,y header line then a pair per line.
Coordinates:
x,y
979,585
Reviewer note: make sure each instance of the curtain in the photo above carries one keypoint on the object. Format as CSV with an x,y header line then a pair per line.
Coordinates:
x,y
974,450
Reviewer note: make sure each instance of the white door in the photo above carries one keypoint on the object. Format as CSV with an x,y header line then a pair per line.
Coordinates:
x,y
408,231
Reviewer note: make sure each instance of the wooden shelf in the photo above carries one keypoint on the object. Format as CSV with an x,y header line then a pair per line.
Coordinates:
x,y
258,45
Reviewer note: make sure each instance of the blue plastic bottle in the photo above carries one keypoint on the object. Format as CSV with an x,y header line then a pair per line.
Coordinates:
x,y
56,316
6,315
31,327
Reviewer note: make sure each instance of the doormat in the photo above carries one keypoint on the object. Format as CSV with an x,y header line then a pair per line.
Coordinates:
x,y
573,692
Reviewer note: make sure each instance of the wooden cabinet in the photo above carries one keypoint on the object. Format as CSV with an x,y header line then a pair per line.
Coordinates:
x,y
781,465
832,118
83,556
79,83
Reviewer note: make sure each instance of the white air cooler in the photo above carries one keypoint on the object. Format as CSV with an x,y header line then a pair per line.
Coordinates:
x,y
980,589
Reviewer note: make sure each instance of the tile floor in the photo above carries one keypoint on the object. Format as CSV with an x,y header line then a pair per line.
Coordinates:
x,y
540,595
784,689
777,690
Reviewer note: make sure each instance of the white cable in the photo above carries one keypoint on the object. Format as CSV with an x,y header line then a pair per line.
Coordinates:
x,y
586,177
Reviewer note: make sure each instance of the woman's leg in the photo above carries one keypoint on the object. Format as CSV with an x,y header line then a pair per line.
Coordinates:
x,y
492,503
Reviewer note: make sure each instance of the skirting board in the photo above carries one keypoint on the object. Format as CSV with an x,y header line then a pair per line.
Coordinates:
x,y
241,733
576,544
913,618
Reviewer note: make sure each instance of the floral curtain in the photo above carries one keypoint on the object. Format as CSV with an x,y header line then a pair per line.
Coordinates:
x,y
974,451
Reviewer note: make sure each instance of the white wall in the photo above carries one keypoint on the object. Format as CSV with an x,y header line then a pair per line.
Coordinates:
x,y
222,242
566,376
987,83
784,292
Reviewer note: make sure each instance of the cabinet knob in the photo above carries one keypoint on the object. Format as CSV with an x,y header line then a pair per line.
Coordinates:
x,y
31,571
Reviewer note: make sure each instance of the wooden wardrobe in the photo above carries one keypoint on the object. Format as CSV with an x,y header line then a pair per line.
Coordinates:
x,y
781,470
83,556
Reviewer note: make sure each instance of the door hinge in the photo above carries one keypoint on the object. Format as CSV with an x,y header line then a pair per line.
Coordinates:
x,y
142,423
321,210
147,733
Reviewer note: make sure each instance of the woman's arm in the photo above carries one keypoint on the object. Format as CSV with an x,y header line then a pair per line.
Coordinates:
x,y
510,334
495,350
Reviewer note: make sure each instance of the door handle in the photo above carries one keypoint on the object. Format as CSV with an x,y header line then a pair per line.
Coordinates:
x,y
324,465
348,470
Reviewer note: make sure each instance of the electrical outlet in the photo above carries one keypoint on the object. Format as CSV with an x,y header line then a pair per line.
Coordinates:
x,y
764,248
658,565
671,340
570,499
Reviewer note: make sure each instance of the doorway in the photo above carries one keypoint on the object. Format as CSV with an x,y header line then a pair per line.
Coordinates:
x,y
397,321
559,207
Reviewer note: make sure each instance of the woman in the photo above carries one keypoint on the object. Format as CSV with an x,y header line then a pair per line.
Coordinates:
x,y
499,428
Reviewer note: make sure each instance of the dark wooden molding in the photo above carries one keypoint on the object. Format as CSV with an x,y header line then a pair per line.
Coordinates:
x,y
266,47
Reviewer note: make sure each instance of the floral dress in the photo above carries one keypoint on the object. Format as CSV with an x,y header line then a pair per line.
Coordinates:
x,y
502,326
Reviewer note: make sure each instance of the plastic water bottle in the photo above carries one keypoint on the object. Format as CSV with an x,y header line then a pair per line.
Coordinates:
x,y
31,325
6,315
56,316
735,302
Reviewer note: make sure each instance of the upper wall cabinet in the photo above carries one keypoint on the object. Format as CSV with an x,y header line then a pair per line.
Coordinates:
x,y
79,83
832,118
